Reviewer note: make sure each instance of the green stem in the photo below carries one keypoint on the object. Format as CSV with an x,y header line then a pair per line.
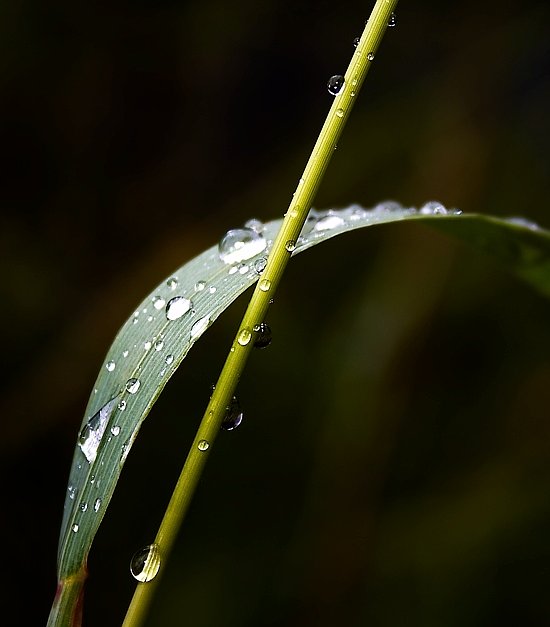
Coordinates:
x,y
66,610
263,293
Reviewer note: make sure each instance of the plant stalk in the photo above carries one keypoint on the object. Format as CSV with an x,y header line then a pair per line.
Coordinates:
x,y
265,289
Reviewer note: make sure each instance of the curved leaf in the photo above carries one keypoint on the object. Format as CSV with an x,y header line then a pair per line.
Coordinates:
x,y
157,337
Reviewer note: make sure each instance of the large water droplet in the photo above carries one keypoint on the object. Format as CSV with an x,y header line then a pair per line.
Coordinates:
x,y
263,335
199,327
132,385
433,208
327,223
203,445
93,431
145,563
110,365
177,307
335,84
233,415
240,244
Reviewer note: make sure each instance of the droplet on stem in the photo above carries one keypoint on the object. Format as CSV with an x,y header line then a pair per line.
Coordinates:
x,y
145,563
263,335
335,84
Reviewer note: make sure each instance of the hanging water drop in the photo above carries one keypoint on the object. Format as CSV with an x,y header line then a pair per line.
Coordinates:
x,y
263,335
110,365
132,385
203,445
392,20
177,307
335,84
240,244
233,415
145,563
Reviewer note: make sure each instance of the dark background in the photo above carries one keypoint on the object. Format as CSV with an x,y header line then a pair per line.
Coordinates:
x,y
393,466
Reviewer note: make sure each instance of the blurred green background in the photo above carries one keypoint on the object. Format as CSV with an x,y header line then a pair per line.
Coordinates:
x,y
394,462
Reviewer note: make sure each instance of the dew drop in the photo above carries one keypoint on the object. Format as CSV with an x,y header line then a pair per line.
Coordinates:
x,y
260,264
199,286
392,20
356,42
327,223
83,506
122,405
233,415
340,113
335,84
203,445
125,353
290,245
172,283
147,346
75,528
145,563
244,337
92,432
240,244
263,335
212,289
177,307
115,430
158,302
199,327
517,220
169,359
110,365
264,285
72,492
370,56
97,505
255,225
433,208
132,385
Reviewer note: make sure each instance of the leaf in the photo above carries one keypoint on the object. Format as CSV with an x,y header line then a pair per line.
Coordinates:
x,y
157,337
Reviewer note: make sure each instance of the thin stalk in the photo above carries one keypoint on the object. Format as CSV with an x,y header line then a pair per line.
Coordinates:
x,y
259,303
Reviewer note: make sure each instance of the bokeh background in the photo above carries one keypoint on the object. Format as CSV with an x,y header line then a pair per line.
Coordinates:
x,y
393,466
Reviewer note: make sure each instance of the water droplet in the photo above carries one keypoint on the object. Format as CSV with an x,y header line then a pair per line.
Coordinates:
x,y
203,445
199,286
110,365
340,113
132,385
177,307
327,223
264,285
240,244
75,528
145,563
263,335
519,221
433,208
255,225
393,20
199,327
83,506
244,337
260,264
169,359
97,505
158,302
147,345
290,245
115,430
233,415
356,42
212,289
125,353
370,56
172,283
93,431
335,84
72,492
122,405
